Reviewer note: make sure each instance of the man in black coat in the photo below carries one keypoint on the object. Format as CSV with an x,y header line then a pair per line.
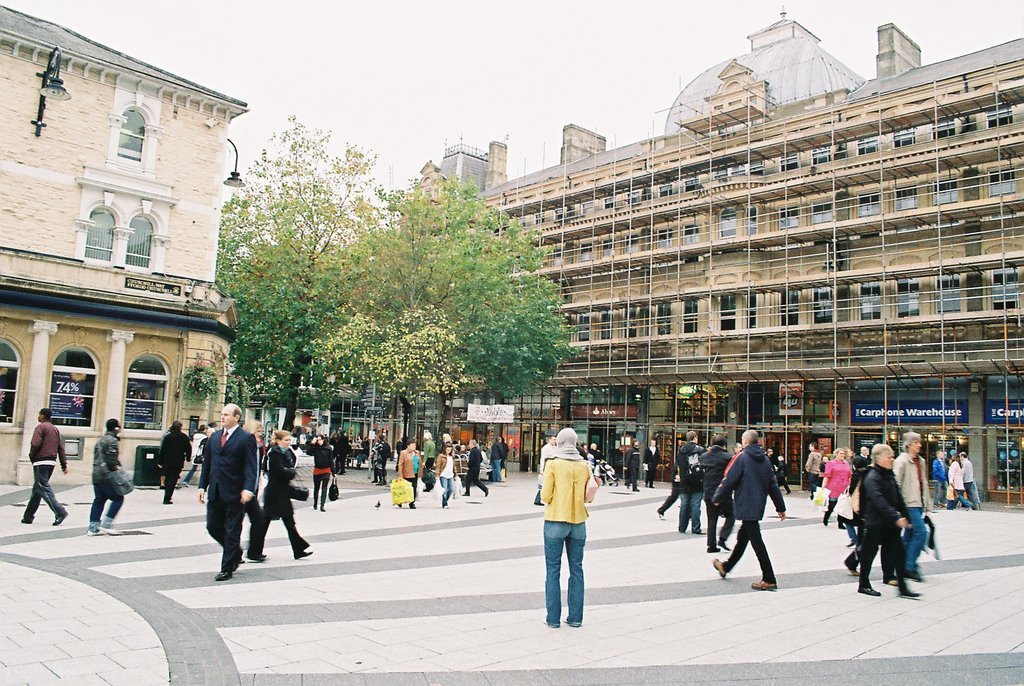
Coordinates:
x,y
476,458
175,450
229,474
632,465
714,462
752,480
651,459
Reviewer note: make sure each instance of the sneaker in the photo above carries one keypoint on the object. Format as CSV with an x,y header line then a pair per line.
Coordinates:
x,y
60,519
94,532
109,530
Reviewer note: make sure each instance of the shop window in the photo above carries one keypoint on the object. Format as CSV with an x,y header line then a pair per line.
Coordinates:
x,y
868,205
146,394
1004,289
99,242
9,365
871,300
1000,116
903,138
823,305
140,243
690,309
133,135
906,199
821,213
727,223
663,314
727,312
73,388
948,286
1001,182
908,298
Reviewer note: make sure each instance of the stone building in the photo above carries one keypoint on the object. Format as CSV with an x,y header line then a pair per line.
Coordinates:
x,y
826,257
109,215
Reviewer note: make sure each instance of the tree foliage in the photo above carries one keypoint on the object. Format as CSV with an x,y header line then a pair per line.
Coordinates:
x,y
282,245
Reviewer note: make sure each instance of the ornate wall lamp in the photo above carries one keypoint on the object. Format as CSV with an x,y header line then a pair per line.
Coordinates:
x,y
234,178
52,87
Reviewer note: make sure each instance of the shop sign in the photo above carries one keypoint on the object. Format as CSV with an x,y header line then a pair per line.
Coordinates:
x,y
490,414
910,412
70,393
999,412
159,287
604,412
791,399
139,406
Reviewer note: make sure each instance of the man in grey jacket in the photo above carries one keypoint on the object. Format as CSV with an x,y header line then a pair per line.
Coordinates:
x,y
105,459
911,472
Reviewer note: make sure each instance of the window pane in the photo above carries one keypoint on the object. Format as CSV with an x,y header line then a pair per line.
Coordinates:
x,y
868,205
134,124
822,305
949,293
906,199
8,382
727,225
146,394
139,244
728,312
99,241
945,192
821,213
908,298
871,300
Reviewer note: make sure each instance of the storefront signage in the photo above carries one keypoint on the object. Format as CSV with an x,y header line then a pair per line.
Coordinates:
x,y
604,412
139,406
910,412
71,394
1003,413
490,414
791,399
136,284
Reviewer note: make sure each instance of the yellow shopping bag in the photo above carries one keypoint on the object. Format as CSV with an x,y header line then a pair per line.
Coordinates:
x,y
821,497
401,492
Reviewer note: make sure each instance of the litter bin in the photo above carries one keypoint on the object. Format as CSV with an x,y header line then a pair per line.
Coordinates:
x,y
146,471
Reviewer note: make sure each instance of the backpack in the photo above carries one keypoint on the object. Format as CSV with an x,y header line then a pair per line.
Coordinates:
x,y
695,470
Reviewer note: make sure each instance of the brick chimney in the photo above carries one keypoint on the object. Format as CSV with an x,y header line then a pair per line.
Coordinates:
x,y
497,164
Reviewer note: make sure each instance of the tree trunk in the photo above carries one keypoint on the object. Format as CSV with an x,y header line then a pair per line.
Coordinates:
x,y
406,414
442,423
291,405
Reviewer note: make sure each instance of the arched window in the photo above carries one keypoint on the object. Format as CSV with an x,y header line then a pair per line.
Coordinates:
x,y
8,382
751,220
140,242
146,395
727,223
133,133
73,388
99,244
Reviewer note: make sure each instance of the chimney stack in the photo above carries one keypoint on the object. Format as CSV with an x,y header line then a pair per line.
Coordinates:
x,y
896,52
497,164
578,143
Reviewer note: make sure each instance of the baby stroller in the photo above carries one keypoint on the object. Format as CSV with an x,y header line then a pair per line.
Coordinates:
x,y
606,473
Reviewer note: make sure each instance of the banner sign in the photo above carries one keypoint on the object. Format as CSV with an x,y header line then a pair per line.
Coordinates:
x,y
910,412
71,394
490,414
999,412
791,399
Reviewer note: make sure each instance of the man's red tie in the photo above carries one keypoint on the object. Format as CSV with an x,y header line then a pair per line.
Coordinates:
x,y
223,438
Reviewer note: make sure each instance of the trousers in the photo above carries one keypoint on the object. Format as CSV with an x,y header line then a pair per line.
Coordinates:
x,y
750,532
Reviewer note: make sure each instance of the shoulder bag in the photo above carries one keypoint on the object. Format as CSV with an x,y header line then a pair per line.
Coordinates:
x,y
121,482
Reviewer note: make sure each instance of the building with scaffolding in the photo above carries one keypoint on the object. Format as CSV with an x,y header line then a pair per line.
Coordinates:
x,y
821,256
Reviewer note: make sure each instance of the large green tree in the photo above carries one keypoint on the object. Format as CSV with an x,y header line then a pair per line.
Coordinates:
x,y
282,253
445,257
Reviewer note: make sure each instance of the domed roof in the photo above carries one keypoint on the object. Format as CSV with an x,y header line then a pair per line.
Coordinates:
x,y
786,56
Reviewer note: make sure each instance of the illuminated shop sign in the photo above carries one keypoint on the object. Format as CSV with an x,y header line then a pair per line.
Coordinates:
x,y
910,412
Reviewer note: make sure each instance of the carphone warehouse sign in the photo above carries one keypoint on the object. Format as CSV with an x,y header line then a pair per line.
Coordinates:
x,y
910,412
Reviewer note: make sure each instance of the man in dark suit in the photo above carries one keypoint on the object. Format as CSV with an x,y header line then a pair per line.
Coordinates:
x,y
229,474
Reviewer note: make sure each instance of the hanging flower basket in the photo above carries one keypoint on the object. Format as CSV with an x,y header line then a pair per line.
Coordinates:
x,y
199,383
236,391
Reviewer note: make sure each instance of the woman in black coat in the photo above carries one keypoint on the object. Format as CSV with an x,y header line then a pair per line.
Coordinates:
x,y
884,513
277,500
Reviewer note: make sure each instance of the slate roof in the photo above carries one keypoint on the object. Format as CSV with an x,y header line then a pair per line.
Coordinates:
x,y
18,24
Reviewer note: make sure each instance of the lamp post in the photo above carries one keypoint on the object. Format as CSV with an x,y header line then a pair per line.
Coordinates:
x,y
234,178
52,87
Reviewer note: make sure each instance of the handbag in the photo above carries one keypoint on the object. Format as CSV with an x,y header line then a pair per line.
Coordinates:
x,y
300,493
121,482
950,493
844,506
332,492
593,484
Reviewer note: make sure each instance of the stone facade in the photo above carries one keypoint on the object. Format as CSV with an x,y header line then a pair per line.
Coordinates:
x,y
108,234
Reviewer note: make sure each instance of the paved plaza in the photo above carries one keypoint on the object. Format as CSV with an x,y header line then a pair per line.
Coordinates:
x,y
452,597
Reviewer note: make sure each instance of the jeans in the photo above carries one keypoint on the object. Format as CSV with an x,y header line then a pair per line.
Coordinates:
x,y
496,469
914,538
41,490
940,493
447,489
971,491
814,480
102,492
573,537
191,472
750,531
689,509
959,498
320,484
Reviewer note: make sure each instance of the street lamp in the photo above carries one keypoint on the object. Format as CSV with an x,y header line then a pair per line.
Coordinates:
x,y
234,179
52,87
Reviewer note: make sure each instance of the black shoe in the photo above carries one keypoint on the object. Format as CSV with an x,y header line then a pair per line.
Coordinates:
x,y
322,509
60,519
26,521
168,502
913,576
636,490
661,515
304,553
697,533
723,546
907,593
259,558
869,591
412,506
714,549
486,493
223,576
